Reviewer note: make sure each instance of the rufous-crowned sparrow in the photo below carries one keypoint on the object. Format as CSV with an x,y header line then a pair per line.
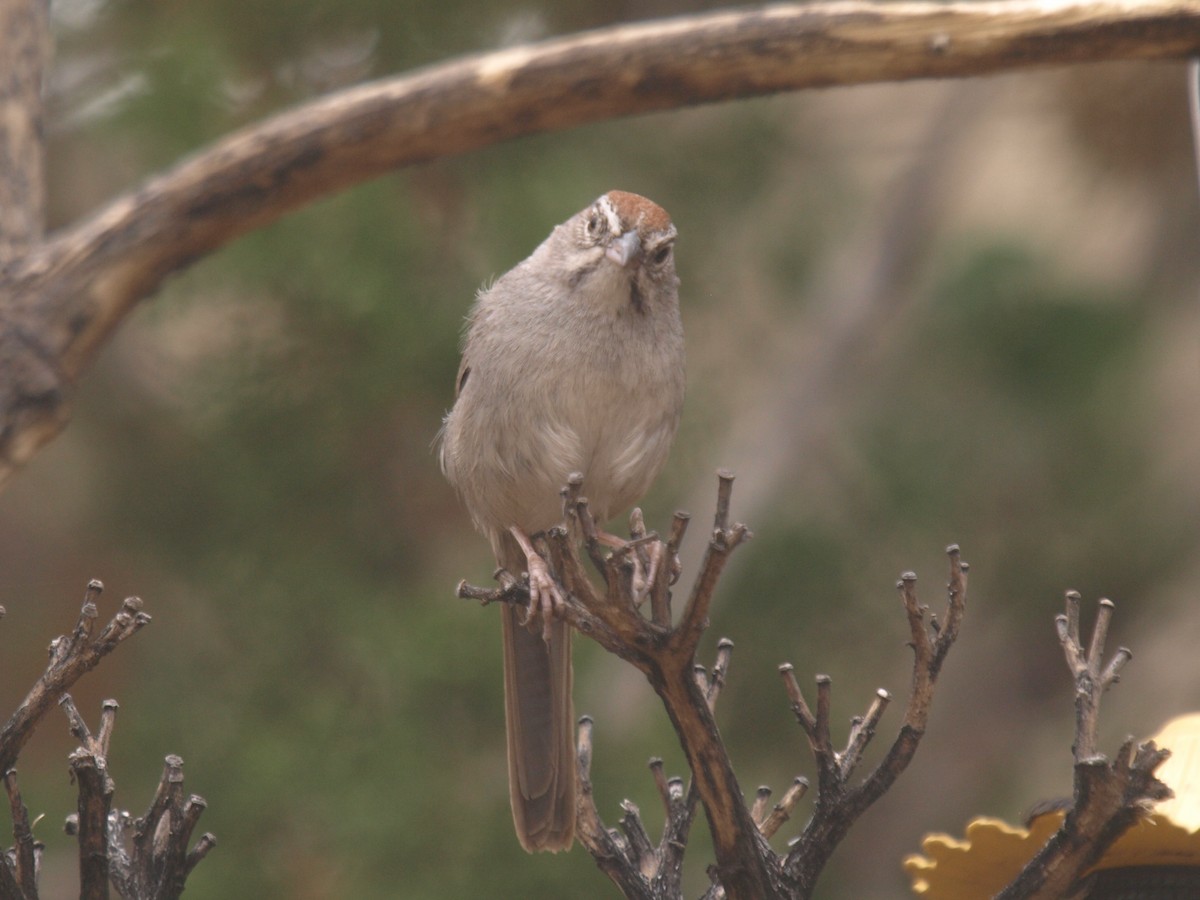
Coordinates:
x,y
573,362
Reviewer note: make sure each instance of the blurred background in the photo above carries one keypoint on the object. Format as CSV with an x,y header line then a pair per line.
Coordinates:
x,y
916,314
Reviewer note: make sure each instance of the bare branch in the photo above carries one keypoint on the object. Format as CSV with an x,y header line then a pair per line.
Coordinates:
x,y
724,540
824,703
194,856
75,722
19,869
95,802
1092,678
660,782
71,657
724,496
839,803
861,732
25,48
783,809
803,714
1100,632
108,718
157,862
611,856
758,812
640,849
160,860
719,670
63,299
746,867
1109,797
639,868
679,524
9,888
579,514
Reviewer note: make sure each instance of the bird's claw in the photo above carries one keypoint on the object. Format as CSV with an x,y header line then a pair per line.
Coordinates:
x,y
546,600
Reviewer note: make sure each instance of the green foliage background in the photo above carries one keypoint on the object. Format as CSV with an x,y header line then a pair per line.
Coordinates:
x,y
252,455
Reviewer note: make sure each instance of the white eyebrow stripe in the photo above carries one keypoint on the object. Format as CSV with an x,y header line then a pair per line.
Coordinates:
x,y
614,221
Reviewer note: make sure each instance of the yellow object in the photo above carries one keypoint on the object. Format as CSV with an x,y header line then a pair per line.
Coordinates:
x,y
993,852
1182,771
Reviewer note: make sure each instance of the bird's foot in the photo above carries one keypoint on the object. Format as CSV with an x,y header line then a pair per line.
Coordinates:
x,y
546,598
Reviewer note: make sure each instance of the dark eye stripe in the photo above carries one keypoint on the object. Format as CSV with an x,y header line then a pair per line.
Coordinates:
x,y
580,274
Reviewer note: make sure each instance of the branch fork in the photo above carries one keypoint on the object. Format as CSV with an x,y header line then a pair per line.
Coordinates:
x,y
155,862
663,648
1110,796
839,802
664,651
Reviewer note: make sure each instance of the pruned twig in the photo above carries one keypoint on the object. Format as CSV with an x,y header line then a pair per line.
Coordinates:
x,y
71,656
20,866
782,810
159,862
146,858
723,541
608,847
1109,796
746,866
1092,677
160,858
665,653
839,802
637,866
90,823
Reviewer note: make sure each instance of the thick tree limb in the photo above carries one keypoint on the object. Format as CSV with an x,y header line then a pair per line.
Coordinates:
x,y
63,299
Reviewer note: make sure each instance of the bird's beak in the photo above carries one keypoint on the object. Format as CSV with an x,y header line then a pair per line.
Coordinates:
x,y
625,249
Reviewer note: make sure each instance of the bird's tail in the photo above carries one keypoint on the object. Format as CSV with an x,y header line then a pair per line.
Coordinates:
x,y
540,723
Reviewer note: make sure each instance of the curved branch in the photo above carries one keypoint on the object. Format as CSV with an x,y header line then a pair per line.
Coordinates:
x,y
64,298
25,49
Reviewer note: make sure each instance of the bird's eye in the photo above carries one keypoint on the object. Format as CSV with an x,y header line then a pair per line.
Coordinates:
x,y
596,225
661,255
